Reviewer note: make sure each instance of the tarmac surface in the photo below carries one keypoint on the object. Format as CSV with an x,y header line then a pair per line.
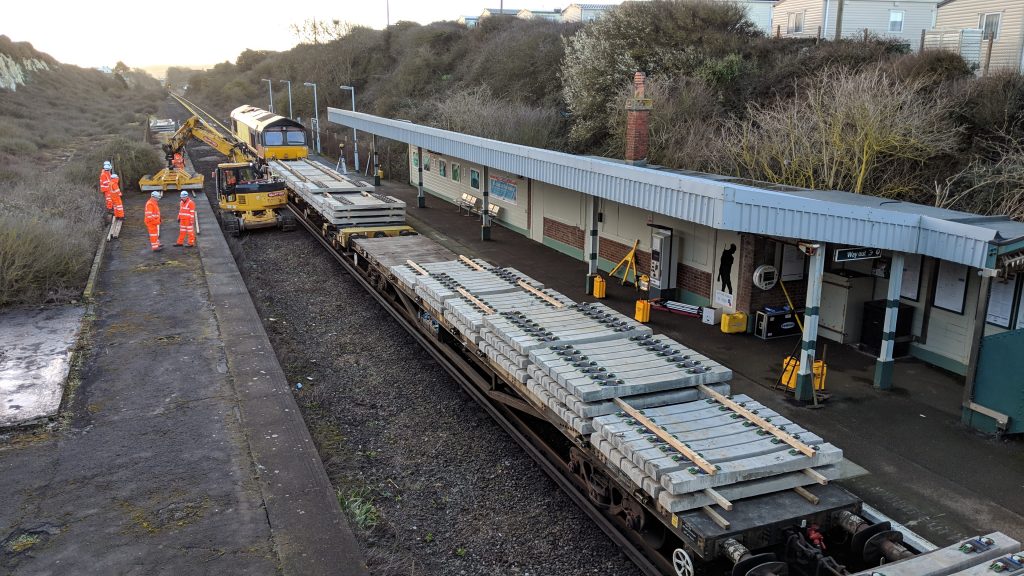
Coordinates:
x,y
927,470
181,450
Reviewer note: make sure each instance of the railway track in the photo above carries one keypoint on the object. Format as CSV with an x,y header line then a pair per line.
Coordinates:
x,y
769,534
511,421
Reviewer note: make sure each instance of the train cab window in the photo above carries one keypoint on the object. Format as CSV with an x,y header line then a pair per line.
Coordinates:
x,y
273,138
296,137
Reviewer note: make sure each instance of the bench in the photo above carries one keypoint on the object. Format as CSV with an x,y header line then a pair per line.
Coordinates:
x,y
467,202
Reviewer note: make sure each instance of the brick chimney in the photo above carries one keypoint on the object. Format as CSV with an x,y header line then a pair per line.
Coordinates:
x,y
638,112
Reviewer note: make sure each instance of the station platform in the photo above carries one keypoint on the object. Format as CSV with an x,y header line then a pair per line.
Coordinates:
x,y
927,470
180,449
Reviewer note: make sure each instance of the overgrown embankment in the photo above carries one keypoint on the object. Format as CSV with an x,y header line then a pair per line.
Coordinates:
x,y
866,116
57,125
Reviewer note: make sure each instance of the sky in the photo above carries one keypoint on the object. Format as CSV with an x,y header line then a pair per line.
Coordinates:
x,y
204,32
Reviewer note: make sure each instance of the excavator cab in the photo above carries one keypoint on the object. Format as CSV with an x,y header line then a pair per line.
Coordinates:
x,y
249,200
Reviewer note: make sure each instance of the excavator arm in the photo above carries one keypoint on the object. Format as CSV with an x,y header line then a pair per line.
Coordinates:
x,y
171,178
194,127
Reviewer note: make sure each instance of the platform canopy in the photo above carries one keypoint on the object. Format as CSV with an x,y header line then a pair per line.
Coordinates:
x,y
728,203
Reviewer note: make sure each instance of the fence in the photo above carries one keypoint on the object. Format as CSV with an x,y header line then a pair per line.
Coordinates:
x,y
966,42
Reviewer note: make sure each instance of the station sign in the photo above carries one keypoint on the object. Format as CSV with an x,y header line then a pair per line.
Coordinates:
x,y
850,254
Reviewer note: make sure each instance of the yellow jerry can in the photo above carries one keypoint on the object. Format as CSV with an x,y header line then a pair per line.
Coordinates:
x,y
734,323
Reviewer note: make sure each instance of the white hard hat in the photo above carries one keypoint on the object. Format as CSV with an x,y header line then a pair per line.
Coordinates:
x,y
114,176
155,194
184,194
106,164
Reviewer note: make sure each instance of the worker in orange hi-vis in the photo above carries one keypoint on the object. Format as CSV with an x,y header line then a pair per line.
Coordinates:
x,y
105,182
186,221
117,203
178,161
153,220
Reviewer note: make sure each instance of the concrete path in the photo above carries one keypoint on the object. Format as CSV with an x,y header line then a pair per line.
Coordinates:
x,y
183,451
928,471
35,358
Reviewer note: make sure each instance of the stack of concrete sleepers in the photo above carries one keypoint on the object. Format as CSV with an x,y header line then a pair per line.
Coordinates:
x,y
397,250
648,370
514,339
407,275
468,316
740,455
343,201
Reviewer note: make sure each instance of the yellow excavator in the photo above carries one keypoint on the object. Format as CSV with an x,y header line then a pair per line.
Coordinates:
x,y
247,198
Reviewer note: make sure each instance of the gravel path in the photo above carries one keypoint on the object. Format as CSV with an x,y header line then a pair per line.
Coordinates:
x,y
434,486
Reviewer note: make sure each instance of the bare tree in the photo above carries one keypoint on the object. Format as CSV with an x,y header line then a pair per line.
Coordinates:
x,y
314,31
865,132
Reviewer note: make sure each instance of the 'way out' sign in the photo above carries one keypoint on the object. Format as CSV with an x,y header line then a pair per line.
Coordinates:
x,y
849,254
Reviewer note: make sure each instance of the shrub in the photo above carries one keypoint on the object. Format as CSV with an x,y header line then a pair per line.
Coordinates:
x,y
866,132
48,233
132,160
933,66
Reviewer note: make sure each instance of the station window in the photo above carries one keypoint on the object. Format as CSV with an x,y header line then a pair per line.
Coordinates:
x,y
456,172
426,163
415,159
442,169
474,179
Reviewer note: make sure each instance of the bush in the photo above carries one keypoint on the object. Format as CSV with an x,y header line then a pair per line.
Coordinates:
x,y
131,159
48,234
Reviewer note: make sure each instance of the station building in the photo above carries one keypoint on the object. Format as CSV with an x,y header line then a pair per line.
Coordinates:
x,y
893,278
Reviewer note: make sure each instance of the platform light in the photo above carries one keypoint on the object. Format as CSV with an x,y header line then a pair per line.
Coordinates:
x,y
316,114
355,135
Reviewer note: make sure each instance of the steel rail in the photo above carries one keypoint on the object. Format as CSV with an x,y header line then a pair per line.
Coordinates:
x,y
472,384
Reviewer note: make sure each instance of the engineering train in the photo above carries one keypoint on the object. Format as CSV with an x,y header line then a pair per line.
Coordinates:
x,y
779,533
269,135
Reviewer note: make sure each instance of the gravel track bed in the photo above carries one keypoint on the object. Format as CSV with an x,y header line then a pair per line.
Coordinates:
x,y
434,486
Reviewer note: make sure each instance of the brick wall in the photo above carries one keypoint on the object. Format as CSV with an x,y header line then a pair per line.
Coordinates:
x,y
694,280
563,233
752,298
613,252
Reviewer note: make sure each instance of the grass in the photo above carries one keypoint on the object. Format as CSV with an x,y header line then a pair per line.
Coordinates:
x,y
22,543
358,505
55,132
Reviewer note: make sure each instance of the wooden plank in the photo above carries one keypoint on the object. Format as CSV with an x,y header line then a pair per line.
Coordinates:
x,y
674,443
817,476
470,263
806,495
718,498
540,294
716,517
486,309
417,268
761,422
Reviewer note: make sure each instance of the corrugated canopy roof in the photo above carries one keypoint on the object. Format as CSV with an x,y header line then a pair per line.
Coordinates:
x,y
728,203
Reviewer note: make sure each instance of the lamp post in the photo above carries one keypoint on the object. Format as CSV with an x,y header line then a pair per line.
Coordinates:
x,y
270,87
316,114
355,141
289,82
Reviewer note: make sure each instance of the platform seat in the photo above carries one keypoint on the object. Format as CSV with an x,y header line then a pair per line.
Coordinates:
x,y
467,202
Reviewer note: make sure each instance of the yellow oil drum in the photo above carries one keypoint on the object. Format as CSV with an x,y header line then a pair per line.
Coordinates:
x,y
600,287
643,311
734,323
790,367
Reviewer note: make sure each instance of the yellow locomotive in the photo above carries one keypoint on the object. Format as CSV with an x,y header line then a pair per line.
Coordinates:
x,y
267,135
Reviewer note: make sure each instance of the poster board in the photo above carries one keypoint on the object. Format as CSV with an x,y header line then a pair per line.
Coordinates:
x,y
1000,302
910,286
950,286
792,263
